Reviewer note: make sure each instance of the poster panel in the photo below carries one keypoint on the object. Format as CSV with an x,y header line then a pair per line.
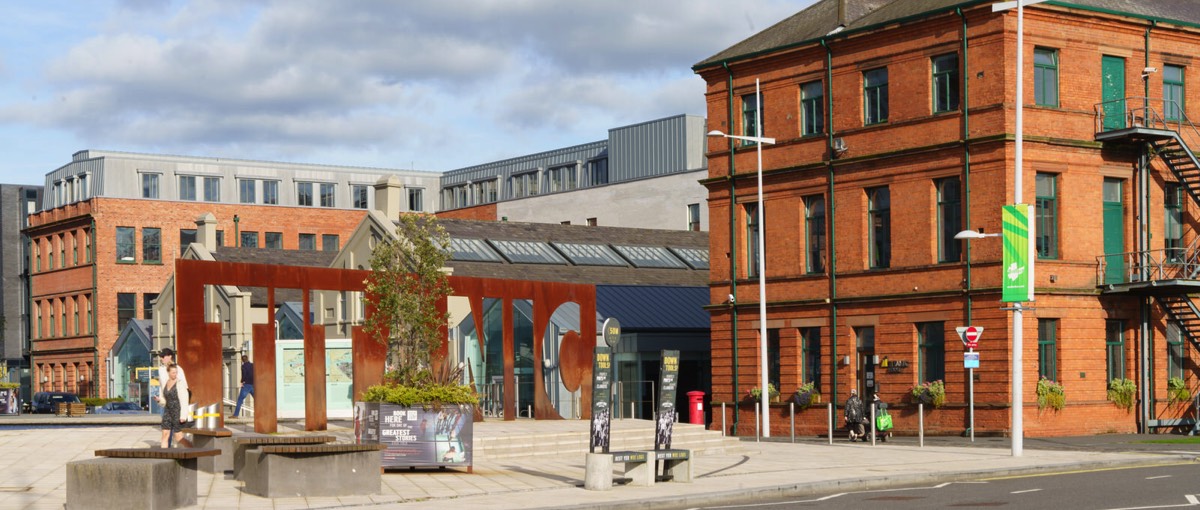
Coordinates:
x,y
665,423
417,436
601,399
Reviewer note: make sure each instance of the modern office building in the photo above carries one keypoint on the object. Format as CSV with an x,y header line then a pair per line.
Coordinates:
x,y
17,202
642,176
895,128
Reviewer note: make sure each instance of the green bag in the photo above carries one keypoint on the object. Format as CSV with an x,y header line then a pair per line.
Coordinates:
x,y
883,422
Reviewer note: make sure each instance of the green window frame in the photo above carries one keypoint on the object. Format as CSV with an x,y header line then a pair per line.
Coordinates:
x,y
248,239
1173,222
126,308
273,240
75,310
1045,76
879,206
1174,92
752,122
774,359
945,83
126,245
74,250
1114,348
50,254
53,323
308,242
187,236
875,96
811,352
89,314
330,242
62,307
812,108
39,320
1046,215
814,223
752,233
151,245
1176,357
1048,348
949,198
62,251
931,337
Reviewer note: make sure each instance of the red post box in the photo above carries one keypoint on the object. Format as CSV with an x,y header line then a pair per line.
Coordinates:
x,y
696,407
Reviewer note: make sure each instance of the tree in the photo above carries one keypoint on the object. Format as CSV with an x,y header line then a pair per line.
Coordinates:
x,y
406,283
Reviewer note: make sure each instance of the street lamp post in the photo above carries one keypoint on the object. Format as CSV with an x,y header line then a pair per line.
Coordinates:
x,y
762,261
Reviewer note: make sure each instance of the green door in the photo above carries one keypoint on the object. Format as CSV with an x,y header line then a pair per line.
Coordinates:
x,y
1112,72
1114,232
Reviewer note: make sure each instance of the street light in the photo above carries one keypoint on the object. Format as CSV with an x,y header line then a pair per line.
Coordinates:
x,y
762,260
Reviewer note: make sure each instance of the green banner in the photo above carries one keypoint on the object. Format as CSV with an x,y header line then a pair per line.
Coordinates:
x,y
1018,254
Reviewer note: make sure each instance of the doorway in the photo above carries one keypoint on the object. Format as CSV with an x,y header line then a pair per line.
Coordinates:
x,y
1112,84
865,366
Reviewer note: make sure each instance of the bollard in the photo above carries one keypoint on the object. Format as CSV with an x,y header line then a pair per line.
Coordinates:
x,y
829,412
792,409
723,419
631,415
529,411
757,422
921,423
871,428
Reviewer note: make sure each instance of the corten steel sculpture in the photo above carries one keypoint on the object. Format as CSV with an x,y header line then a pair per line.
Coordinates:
x,y
199,343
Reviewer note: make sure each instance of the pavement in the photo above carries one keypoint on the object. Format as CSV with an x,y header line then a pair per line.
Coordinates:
x,y
34,453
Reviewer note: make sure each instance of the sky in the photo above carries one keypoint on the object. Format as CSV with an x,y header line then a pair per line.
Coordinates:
x,y
375,83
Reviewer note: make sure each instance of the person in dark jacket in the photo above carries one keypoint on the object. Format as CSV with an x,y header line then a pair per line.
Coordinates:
x,y
247,384
854,416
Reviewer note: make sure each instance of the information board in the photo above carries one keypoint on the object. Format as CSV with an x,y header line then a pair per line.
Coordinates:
x,y
669,370
417,436
601,399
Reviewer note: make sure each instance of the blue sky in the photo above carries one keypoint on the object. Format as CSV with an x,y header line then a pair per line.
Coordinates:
x,y
376,83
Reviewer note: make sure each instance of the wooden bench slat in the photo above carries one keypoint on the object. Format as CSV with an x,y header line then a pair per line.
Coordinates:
x,y
158,453
324,448
268,440
209,432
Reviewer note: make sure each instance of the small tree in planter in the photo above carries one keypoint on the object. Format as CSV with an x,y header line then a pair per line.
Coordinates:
x,y
806,396
1121,392
1050,394
755,394
930,393
1177,391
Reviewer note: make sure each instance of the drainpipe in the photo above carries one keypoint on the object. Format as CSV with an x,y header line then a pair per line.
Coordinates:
x,y
237,237
966,136
732,241
1144,410
829,218
92,302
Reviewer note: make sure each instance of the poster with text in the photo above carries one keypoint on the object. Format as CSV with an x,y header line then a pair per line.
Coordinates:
x,y
666,400
601,399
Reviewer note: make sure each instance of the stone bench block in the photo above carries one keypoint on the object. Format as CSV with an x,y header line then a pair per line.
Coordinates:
x,y
220,463
115,483
277,475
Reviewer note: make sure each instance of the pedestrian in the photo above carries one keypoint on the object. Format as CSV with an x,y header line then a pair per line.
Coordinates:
x,y
247,384
174,399
854,416
166,357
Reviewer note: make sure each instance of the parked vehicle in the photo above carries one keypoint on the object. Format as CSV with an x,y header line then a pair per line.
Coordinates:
x,y
120,408
44,401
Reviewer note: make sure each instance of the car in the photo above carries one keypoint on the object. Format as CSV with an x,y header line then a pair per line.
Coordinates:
x,y
44,401
120,408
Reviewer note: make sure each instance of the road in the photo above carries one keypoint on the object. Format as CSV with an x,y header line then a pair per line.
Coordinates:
x,y
1173,486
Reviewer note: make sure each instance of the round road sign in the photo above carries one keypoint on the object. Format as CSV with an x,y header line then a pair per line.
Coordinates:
x,y
612,331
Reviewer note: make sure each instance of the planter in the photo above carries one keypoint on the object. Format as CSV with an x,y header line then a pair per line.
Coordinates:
x,y
806,399
418,436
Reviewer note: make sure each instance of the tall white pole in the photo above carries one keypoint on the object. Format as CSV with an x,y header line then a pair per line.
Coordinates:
x,y
1018,419
762,273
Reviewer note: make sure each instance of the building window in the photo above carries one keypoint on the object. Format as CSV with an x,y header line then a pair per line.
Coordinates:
x,y
814,226
151,245
1048,348
752,232
246,189
75,312
50,253
37,252
561,178
220,238
1045,76
329,242
1114,343
812,108
416,196
945,83
187,236
38,306
1173,221
1175,352
879,205
359,193
1046,216
52,321
308,241
752,124
74,250
270,192
149,185
273,240
327,194
304,194
89,313
773,358
523,185
248,239
693,216
62,251
62,307
1173,93
126,245
932,341
811,338
591,222
148,305
126,308
87,247
875,96
187,187
598,171
949,199
212,189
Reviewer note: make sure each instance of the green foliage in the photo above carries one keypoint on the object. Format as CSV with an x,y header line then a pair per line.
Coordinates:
x,y
417,395
405,286
933,392
9,385
1121,392
756,393
805,395
1177,390
1050,394
97,402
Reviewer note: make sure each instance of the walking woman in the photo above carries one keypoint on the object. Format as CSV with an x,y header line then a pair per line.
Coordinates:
x,y
174,399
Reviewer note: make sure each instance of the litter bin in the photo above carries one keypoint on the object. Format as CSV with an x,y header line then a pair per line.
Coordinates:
x,y
696,407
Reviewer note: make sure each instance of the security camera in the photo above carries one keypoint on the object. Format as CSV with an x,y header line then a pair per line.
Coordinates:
x,y
1149,70
731,300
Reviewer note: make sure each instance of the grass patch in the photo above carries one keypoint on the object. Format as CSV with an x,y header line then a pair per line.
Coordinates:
x,y
1181,440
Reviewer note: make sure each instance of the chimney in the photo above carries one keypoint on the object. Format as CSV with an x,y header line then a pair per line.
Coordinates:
x,y
387,196
841,20
206,231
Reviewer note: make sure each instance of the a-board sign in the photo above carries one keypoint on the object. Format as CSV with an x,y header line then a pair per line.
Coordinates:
x,y
601,399
669,371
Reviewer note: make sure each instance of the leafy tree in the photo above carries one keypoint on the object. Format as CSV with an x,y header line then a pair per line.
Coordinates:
x,y
407,282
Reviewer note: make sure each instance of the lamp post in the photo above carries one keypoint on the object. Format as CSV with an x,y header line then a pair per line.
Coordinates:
x,y
762,261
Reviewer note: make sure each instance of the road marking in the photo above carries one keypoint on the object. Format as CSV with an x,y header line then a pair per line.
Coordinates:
x,y
1157,477
1192,501
1024,491
1097,470
831,496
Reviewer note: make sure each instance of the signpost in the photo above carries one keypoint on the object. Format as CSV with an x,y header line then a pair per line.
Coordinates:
x,y
970,338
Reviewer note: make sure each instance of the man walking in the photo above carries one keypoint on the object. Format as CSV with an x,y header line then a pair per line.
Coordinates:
x,y
247,384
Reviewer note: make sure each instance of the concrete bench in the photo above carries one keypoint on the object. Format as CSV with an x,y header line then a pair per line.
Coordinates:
x,y
314,470
640,467
246,442
218,439
677,464
122,478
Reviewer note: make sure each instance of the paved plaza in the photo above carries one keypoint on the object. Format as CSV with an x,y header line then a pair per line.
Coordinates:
x,y
33,459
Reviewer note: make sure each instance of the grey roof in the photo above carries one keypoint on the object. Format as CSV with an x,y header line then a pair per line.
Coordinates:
x,y
258,295
596,275
822,18
640,307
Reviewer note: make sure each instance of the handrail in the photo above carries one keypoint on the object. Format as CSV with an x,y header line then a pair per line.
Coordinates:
x,y
1160,264
1150,113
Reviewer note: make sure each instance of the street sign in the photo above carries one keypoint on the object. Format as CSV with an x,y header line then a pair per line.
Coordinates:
x,y
970,335
970,360
611,330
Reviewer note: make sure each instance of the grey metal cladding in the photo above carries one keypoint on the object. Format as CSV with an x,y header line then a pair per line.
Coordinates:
x,y
654,148
515,166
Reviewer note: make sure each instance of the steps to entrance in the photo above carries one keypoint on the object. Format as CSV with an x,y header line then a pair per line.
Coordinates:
x,y
498,440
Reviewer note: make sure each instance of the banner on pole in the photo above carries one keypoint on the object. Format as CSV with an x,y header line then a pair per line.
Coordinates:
x,y
669,370
1018,254
601,399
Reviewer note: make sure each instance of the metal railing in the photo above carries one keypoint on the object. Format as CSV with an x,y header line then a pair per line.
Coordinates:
x,y
630,398
1162,264
1149,112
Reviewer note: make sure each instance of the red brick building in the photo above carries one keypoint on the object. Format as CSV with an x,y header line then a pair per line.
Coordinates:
x,y
895,129
99,262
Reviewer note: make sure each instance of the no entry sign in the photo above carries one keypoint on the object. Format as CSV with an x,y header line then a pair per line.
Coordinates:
x,y
970,335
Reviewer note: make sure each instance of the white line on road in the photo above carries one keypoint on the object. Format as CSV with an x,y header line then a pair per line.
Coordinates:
x,y
1157,477
1192,501
831,496
1024,491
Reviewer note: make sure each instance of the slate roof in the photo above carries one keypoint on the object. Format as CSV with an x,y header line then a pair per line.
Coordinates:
x,y
596,275
821,18
258,295
641,308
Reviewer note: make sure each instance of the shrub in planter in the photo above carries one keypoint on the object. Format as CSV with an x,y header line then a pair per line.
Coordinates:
x,y
1050,394
930,393
755,394
1121,392
806,396
9,385
1177,390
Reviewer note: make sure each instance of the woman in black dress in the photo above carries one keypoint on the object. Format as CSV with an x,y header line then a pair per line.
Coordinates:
x,y
172,421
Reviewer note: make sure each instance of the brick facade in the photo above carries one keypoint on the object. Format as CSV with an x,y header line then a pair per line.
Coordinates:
x,y
908,154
